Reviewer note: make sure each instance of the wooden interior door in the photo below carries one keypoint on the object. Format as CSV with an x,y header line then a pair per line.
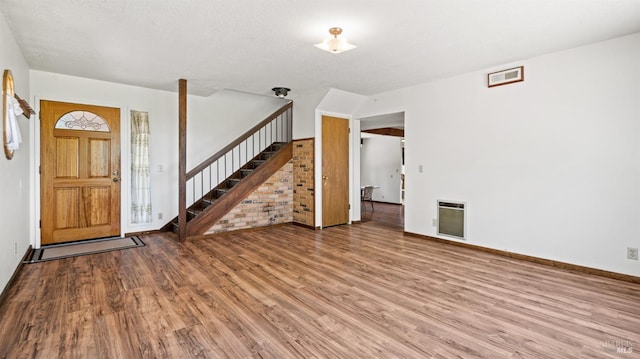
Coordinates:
x,y
79,172
335,171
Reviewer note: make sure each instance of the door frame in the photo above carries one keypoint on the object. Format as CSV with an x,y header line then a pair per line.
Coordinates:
x,y
354,162
125,161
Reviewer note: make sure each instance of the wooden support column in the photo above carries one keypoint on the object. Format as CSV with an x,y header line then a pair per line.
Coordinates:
x,y
182,160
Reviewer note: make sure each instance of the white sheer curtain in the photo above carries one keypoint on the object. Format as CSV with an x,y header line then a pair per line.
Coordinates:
x,y
140,180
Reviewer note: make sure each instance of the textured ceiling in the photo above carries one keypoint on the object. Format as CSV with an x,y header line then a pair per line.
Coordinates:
x,y
254,45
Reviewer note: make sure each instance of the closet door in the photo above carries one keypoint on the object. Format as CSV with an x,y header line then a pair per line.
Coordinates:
x,y
335,171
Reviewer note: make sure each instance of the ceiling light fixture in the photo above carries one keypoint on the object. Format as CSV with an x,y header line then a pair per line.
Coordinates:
x,y
335,44
281,92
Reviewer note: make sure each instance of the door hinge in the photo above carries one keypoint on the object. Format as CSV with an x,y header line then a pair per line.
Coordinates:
x,y
349,205
40,223
39,170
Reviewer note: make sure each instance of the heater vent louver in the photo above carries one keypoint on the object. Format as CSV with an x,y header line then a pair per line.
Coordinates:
x,y
452,219
504,76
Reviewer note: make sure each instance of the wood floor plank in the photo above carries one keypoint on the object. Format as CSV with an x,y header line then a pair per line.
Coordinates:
x,y
360,291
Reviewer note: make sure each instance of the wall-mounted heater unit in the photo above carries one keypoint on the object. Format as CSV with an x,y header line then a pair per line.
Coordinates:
x,y
451,219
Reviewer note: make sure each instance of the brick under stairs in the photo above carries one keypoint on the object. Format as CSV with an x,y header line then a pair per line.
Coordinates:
x,y
206,211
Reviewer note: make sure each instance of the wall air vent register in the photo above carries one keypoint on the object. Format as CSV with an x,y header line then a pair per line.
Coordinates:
x,y
505,77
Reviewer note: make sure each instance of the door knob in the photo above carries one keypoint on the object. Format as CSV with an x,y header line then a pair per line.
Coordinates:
x,y
116,179
325,178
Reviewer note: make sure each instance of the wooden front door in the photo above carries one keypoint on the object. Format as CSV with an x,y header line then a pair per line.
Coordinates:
x,y
79,172
335,171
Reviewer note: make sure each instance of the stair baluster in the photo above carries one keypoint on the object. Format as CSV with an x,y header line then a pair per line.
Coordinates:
x,y
215,178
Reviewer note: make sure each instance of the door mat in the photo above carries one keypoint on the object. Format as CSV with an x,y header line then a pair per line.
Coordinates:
x,y
67,250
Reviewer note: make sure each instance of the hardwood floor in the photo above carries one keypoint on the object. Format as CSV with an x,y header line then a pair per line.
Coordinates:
x,y
360,291
384,214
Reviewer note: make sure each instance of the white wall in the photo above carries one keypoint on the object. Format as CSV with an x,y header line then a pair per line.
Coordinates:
x,y
212,122
381,166
304,113
216,120
549,167
15,176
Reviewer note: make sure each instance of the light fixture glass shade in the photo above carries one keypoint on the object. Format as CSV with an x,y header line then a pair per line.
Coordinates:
x,y
335,44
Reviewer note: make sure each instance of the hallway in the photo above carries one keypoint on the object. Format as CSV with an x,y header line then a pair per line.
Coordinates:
x,y
384,214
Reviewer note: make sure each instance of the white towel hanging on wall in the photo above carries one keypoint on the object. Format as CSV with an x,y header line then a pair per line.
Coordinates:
x,y
12,130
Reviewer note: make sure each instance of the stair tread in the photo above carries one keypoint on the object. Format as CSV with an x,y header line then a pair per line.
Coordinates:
x,y
210,198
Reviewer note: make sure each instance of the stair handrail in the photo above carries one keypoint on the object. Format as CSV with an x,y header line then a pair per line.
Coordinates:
x,y
202,175
216,156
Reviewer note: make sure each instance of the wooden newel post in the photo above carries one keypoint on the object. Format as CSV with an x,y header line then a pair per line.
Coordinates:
x,y
182,160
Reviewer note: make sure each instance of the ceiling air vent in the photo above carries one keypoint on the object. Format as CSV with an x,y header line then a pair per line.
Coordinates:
x,y
451,219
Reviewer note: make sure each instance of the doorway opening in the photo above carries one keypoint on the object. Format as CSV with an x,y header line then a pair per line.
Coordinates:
x,y
382,167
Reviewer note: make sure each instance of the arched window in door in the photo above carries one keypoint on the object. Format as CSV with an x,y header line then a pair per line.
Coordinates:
x,y
83,121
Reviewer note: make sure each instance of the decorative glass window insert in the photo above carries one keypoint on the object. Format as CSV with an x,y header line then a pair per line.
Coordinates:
x,y
83,121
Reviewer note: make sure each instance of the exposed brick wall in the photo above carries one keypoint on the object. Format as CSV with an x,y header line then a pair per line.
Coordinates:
x,y
271,203
287,196
303,182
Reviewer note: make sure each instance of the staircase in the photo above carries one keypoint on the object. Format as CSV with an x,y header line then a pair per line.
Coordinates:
x,y
222,181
